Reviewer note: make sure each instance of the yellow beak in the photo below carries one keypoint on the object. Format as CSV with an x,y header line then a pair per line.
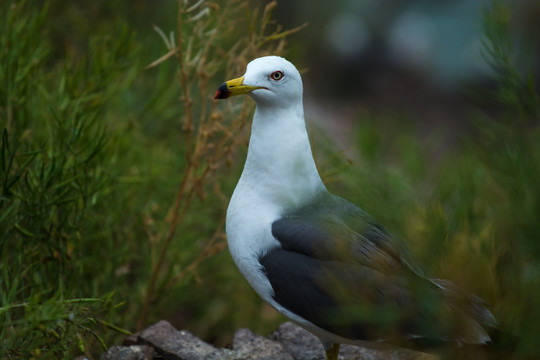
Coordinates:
x,y
234,87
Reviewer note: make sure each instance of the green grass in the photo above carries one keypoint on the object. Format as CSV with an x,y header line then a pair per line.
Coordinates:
x,y
115,177
114,174
470,214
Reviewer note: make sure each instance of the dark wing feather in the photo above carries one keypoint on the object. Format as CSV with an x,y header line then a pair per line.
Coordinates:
x,y
344,272
331,228
354,301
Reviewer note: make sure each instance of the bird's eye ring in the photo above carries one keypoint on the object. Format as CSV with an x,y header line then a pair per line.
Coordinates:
x,y
276,75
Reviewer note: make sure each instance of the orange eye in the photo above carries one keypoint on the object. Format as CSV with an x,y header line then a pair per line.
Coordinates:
x,y
276,75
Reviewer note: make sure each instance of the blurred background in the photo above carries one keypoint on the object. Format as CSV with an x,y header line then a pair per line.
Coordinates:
x,y
117,165
415,58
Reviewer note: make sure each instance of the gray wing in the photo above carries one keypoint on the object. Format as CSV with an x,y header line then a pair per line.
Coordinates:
x,y
352,300
331,228
341,270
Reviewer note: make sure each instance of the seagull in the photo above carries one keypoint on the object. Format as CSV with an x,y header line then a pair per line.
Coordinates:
x,y
317,258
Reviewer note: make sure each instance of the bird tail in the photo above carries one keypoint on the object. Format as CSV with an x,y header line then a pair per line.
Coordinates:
x,y
475,329
474,321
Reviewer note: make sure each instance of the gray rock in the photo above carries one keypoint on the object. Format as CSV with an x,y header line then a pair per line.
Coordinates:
x,y
131,340
133,352
172,344
288,342
250,346
303,345
224,354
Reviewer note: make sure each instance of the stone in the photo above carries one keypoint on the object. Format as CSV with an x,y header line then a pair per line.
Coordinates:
x,y
250,346
303,345
298,342
132,339
133,352
172,344
288,342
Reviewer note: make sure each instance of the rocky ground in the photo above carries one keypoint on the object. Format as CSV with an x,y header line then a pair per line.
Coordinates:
x,y
288,342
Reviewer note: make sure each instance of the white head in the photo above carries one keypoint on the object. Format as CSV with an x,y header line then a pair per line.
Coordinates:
x,y
269,80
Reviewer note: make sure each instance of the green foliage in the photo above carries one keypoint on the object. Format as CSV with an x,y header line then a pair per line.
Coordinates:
x,y
470,212
112,191
114,178
53,144
507,53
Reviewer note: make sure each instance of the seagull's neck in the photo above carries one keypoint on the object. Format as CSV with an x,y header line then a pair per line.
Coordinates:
x,y
279,175
279,168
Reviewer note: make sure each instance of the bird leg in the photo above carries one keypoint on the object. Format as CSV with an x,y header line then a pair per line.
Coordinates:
x,y
333,352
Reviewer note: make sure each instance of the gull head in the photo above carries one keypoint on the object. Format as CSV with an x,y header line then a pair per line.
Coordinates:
x,y
269,80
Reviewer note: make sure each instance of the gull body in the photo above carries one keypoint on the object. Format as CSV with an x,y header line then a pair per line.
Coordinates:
x,y
318,259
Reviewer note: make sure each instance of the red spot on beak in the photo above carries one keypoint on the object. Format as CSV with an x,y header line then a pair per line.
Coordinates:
x,y
222,92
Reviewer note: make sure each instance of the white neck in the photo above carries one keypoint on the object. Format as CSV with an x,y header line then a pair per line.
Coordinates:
x,y
279,175
279,167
